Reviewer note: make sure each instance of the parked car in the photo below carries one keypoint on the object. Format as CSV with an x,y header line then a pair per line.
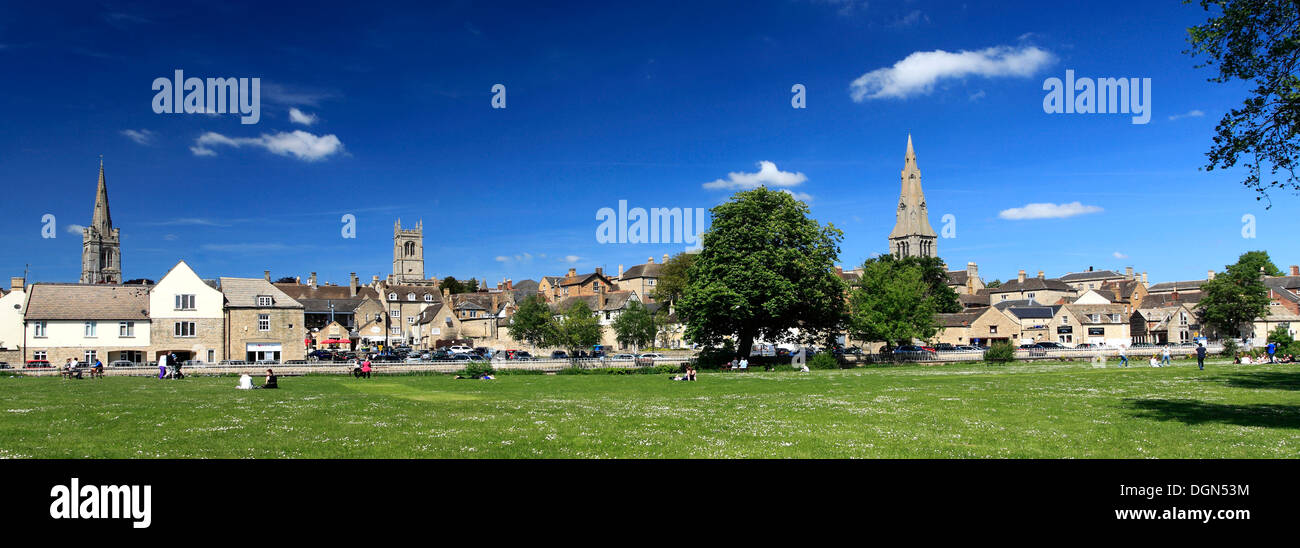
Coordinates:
x,y
967,348
944,347
412,359
460,349
38,364
559,355
914,350
651,355
1051,345
4,365
622,357
321,355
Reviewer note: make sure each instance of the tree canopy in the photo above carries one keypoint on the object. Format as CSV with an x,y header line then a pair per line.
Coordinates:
x,y
576,329
765,269
673,278
1238,296
895,301
635,325
1256,42
531,322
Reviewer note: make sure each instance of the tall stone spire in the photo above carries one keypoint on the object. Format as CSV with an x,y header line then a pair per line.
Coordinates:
x,y
101,219
912,234
101,244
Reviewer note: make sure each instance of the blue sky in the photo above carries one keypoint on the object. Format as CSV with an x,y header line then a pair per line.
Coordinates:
x,y
608,102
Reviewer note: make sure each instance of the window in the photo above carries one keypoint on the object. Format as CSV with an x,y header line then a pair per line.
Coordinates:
x,y
264,300
395,314
1182,318
1065,319
212,356
396,330
91,328
595,286
410,319
650,281
38,329
410,296
1114,318
126,329
392,296
1094,318
263,322
39,355
183,329
185,302
91,355
1030,295
993,330
428,298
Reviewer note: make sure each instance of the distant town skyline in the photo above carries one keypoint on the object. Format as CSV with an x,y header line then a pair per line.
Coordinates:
x,y
654,106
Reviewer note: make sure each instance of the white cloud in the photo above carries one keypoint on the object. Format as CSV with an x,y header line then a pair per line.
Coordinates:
x,y
503,259
299,117
1048,211
170,237
141,137
767,175
1188,114
299,144
801,196
913,17
919,72
518,257
1119,255
74,229
571,259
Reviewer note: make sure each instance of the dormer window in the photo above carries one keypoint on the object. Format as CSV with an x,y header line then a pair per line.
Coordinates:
x,y
410,296
428,298
264,300
392,296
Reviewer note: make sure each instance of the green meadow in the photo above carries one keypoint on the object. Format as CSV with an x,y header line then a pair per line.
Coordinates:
x,y
1052,410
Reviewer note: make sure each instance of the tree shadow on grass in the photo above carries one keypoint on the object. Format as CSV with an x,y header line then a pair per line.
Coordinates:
x,y
1199,412
1270,380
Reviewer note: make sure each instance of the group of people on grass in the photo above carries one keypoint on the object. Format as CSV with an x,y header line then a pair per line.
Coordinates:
x,y
1164,358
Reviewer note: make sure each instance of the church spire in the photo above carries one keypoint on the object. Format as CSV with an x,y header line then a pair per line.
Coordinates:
x,y
102,220
912,234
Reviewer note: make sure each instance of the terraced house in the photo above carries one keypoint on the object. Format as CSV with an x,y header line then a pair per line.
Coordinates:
x,y
87,322
262,322
187,316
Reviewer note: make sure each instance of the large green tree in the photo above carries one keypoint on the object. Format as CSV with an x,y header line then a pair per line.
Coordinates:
x,y
1238,296
531,322
576,328
894,302
673,277
764,270
942,297
1256,42
634,325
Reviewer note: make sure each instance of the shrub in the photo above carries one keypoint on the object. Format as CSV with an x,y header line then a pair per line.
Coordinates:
x,y
823,361
1229,349
713,358
1000,352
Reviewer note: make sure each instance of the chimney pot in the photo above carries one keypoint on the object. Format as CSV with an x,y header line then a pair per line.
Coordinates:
x,y
1040,274
1295,270
665,258
649,260
573,272
267,275
1021,276
1209,275
1128,272
620,270
17,283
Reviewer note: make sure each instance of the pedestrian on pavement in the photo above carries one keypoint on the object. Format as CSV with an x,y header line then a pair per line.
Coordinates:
x,y
1200,356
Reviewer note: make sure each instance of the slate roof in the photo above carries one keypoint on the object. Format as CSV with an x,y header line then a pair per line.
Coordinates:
x,y
958,319
1167,299
243,293
419,290
1122,289
1082,311
973,301
429,314
1003,305
614,300
47,301
1285,287
648,270
1093,275
1184,286
1031,284
1033,312
304,291
322,306
957,277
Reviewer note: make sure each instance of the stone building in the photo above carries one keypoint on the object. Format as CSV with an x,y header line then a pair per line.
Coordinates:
x,y
965,282
641,278
11,321
262,322
187,317
1041,290
101,244
912,235
408,256
88,322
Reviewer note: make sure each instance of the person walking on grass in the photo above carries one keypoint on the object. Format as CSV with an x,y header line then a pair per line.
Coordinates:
x,y
1164,356
1272,347
1123,356
1200,356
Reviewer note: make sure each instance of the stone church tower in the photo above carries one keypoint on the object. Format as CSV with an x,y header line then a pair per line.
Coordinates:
x,y
408,254
912,235
101,244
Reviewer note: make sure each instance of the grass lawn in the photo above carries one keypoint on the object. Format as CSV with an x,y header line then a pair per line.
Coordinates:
x,y
959,410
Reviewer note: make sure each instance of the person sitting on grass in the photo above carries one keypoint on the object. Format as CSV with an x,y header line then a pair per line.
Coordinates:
x,y
689,375
270,380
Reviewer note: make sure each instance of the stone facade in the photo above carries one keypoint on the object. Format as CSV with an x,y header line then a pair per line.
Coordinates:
x,y
285,331
101,244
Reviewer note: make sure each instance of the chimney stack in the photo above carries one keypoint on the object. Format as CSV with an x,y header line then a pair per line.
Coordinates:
x,y
1209,275
573,272
352,284
649,260
620,270
972,274
17,283
374,281
665,258
1128,272
1144,278
267,275
1021,277
312,280
598,271
446,294
839,270
1040,274
1295,270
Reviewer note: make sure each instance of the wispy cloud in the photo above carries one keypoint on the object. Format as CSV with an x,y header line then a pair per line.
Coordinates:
x,y
74,229
516,258
1188,114
185,221
570,259
912,18
141,136
767,175
1048,211
282,95
299,117
1119,255
918,73
299,144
